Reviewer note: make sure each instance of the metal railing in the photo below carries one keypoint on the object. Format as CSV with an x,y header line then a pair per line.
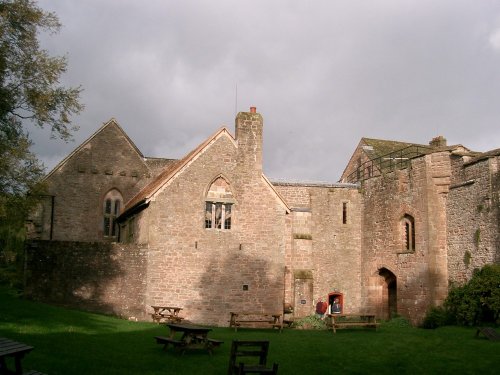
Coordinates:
x,y
392,161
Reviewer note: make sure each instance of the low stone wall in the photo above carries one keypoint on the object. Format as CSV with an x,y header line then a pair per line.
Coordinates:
x,y
95,276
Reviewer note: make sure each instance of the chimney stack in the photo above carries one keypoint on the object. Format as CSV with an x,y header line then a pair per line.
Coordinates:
x,y
438,141
249,129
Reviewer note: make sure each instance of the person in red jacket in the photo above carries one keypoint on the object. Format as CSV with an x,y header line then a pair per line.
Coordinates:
x,y
321,307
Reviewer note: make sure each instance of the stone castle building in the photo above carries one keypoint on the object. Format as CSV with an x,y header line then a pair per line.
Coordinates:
x,y
119,232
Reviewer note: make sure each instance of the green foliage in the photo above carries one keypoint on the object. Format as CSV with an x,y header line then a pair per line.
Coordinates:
x,y
437,317
478,301
29,77
397,321
309,322
467,258
477,236
29,93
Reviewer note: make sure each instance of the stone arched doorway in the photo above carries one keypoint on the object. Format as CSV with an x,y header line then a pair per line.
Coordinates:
x,y
389,294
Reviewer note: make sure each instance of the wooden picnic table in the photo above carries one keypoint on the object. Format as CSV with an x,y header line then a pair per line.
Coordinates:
x,y
249,317
13,349
166,314
193,337
337,321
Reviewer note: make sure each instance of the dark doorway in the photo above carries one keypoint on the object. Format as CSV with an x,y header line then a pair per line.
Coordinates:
x,y
390,293
331,298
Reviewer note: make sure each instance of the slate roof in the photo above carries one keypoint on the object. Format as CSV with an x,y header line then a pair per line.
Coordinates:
x,y
484,156
157,165
380,147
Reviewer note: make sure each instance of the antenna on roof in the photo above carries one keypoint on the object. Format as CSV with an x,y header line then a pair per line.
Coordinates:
x,y
236,101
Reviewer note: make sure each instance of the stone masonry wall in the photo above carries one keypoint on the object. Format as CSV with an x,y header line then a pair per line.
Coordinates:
x,y
337,246
94,276
322,245
210,272
473,220
419,191
79,185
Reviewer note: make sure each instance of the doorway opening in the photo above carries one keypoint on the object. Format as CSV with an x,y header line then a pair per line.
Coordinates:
x,y
390,293
331,299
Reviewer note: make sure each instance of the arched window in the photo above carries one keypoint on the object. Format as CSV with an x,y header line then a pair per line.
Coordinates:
x,y
218,205
408,232
111,210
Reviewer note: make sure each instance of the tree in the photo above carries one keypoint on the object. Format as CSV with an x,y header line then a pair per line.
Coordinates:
x,y
30,93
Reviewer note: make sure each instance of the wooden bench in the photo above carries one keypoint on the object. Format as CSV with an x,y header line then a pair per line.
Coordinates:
x,y
166,318
214,343
250,357
255,318
166,314
190,341
339,321
167,340
489,332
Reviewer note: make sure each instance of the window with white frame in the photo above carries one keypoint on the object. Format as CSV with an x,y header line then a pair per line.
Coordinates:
x,y
112,205
219,205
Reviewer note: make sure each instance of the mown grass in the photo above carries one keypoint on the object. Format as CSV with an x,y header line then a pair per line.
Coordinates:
x,y
74,342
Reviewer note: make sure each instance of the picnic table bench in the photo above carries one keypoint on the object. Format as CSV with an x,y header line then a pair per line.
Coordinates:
x,y
193,337
338,321
166,314
16,351
251,318
489,332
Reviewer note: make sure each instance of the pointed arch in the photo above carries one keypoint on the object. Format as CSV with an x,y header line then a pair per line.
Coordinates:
x,y
390,292
219,201
219,189
111,208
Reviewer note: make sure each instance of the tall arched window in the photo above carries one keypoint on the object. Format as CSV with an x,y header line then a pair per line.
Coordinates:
x,y
111,210
409,232
218,205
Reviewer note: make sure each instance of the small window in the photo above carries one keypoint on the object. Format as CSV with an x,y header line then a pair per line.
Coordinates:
x,y
218,205
409,232
111,210
344,213
208,214
227,220
216,214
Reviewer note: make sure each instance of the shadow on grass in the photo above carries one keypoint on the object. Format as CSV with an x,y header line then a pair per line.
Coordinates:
x,y
73,342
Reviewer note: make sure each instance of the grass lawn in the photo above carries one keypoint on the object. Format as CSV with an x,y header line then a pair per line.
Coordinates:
x,y
75,342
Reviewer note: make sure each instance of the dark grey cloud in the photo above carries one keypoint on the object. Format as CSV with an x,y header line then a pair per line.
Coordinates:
x,y
323,74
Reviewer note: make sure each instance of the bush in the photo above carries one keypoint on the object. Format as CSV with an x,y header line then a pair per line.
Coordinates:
x,y
309,322
437,317
478,301
474,303
397,322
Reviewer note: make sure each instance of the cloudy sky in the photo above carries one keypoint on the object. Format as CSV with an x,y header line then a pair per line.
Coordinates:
x,y
322,73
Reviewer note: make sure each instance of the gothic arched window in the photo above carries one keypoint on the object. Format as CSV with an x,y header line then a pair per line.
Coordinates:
x,y
111,210
218,205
